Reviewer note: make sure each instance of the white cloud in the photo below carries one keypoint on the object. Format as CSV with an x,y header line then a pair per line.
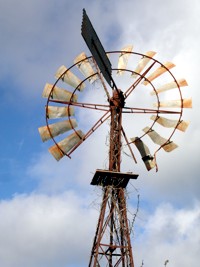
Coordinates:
x,y
39,230
169,233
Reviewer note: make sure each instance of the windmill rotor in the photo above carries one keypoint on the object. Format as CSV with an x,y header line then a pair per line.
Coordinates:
x,y
62,103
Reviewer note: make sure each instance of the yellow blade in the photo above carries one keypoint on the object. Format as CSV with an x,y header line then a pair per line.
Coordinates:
x,y
69,78
169,86
123,58
148,159
85,67
143,62
54,112
182,126
159,140
187,103
66,145
159,71
58,93
56,129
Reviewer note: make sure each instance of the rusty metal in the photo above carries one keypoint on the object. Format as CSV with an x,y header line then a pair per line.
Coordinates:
x,y
56,96
56,93
54,112
56,129
112,244
123,59
69,77
159,71
64,146
166,144
184,103
169,123
148,159
169,86
113,215
142,63
83,64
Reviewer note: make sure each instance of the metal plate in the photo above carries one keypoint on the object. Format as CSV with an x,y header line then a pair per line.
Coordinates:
x,y
96,48
110,178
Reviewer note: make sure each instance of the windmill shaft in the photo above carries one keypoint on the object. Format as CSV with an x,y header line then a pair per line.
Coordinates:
x,y
112,244
115,139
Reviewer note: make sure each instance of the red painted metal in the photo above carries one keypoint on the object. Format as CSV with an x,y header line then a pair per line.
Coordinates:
x,y
113,220
112,244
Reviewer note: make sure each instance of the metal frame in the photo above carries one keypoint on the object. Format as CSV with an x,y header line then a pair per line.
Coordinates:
x,y
107,108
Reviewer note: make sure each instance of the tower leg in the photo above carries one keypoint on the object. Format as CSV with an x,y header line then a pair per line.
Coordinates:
x,y
112,245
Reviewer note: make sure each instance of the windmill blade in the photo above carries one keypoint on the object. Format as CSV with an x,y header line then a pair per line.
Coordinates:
x,y
159,71
148,159
56,129
54,112
169,123
168,146
169,86
142,63
123,58
58,93
66,145
85,67
185,103
69,78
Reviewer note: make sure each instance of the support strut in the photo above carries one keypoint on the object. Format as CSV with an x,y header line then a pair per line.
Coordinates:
x,y
112,243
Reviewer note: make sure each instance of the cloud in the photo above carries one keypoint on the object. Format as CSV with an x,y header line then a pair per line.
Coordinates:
x,y
169,233
38,230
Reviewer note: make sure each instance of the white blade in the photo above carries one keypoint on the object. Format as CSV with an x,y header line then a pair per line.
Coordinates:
x,y
143,62
148,159
58,93
182,126
69,78
66,145
56,129
159,71
169,86
54,112
85,67
187,103
159,140
123,58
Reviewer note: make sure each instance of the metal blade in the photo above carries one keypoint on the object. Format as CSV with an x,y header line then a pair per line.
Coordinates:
x,y
69,78
66,145
123,58
85,67
58,93
143,62
54,112
148,159
96,48
159,140
182,125
169,86
159,71
186,103
56,129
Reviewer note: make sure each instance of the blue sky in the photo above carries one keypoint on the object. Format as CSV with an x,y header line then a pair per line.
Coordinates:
x,y
41,200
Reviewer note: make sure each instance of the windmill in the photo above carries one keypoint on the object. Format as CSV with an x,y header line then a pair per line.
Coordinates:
x,y
116,101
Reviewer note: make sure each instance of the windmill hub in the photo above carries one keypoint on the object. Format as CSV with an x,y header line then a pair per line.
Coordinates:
x,y
117,99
